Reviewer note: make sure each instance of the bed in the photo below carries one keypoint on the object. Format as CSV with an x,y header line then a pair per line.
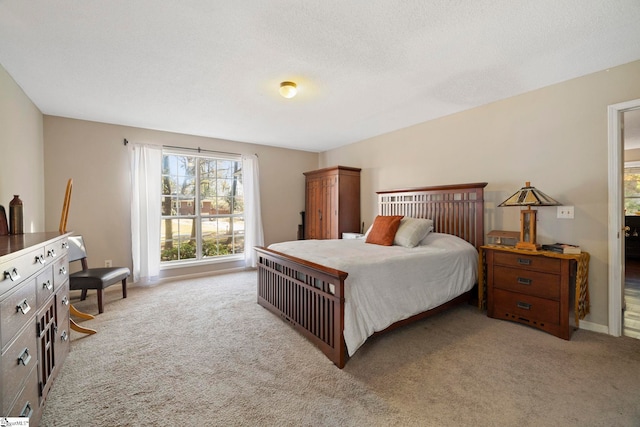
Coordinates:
x,y
315,289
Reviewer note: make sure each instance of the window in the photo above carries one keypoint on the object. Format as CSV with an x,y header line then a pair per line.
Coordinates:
x,y
631,190
202,207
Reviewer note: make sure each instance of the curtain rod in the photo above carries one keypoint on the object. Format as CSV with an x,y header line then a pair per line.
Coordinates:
x,y
199,150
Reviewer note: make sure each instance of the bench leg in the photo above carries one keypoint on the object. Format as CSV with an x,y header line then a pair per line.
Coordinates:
x,y
124,287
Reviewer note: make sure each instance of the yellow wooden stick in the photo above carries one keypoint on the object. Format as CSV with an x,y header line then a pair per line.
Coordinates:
x,y
65,207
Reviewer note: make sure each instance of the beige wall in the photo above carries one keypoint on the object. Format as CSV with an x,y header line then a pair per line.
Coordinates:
x,y
21,153
555,137
94,156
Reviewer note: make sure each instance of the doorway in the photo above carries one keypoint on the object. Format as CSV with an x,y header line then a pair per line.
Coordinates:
x,y
619,131
631,182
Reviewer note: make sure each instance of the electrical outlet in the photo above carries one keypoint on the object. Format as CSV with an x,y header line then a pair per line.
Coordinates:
x,y
565,212
107,263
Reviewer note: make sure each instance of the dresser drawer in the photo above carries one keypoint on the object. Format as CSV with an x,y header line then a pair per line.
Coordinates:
x,y
63,338
529,262
44,286
17,309
534,309
543,285
17,361
56,250
16,270
62,298
28,402
60,271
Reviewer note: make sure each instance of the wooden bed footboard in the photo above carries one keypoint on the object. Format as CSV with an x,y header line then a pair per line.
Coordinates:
x,y
307,295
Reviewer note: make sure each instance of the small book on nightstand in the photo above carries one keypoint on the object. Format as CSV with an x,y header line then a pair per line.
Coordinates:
x,y
562,248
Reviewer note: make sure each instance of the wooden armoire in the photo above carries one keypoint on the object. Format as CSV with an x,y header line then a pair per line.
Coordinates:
x,y
332,202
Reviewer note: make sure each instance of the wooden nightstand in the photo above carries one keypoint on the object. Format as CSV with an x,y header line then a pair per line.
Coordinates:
x,y
536,288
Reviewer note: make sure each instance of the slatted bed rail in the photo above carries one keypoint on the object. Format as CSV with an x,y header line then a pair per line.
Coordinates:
x,y
308,296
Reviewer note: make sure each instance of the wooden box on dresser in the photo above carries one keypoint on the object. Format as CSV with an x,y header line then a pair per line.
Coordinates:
x,y
34,319
332,202
535,288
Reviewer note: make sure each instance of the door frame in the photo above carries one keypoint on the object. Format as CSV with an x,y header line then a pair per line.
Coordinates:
x,y
616,211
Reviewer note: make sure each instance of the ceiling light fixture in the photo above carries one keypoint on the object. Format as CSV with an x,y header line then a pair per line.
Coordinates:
x,y
288,89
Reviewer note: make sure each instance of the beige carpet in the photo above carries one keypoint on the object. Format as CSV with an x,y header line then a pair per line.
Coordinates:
x,y
201,352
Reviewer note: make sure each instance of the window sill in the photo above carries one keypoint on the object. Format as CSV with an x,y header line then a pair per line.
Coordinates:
x,y
206,261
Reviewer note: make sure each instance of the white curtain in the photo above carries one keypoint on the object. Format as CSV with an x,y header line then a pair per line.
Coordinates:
x,y
146,161
253,233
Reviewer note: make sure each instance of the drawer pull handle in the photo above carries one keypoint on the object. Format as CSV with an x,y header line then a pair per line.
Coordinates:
x,y
48,285
524,261
52,253
63,270
24,358
26,411
65,300
23,307
13,274
523,305
524,281
63,336
65,245
40,259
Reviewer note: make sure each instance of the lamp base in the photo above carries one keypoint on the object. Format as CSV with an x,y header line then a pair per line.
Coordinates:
x,y
527,246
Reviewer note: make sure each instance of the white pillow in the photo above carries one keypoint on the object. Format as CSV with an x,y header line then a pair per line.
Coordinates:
x,y
412,231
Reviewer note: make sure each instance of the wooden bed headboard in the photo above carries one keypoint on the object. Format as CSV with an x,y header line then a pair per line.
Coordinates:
x,y
454,209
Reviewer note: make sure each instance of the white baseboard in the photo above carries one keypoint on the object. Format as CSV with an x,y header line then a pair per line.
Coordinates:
x,y
594,327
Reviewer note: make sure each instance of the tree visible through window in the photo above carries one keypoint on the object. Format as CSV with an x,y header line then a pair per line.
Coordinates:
x,y
202,207
632,190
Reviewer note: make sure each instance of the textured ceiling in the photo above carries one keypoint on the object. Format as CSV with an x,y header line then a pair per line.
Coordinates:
x,y
363,67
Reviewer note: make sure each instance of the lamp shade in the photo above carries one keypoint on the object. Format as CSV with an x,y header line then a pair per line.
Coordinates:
x,y
288,89
529,196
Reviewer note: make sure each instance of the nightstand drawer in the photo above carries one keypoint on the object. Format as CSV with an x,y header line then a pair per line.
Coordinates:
x,y
529,262
544,285
525,307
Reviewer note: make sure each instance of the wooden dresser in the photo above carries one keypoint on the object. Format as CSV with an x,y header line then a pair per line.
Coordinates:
x,y
534,288
34,320
332,202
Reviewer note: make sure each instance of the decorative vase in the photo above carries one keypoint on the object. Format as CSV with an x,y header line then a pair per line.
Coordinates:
x,y
16,216
4,225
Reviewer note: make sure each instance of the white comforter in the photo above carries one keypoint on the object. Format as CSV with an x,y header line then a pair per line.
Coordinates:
x,y
391,283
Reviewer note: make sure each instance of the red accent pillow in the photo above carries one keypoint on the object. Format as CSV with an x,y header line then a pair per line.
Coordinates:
x,y
384,229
